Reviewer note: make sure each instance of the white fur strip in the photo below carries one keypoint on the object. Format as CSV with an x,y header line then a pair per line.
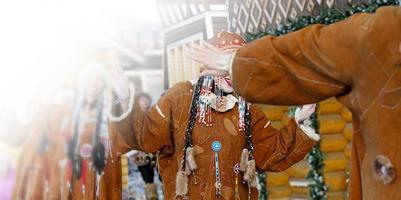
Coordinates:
x,y
254,182
250,170
181,187
191,159
244,160
160,111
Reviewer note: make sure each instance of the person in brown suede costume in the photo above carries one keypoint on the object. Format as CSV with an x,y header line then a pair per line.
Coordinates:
x,y
45,170
165,127
358,61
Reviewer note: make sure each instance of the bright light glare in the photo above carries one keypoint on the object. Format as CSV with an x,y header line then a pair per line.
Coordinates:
x,y
43,42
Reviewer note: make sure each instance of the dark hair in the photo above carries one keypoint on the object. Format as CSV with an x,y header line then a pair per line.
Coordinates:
x,y
144,94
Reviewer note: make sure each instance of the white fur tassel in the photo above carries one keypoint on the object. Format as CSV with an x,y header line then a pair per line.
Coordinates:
x,y
181,187
250,170
191,159
254,182
244,160
187,171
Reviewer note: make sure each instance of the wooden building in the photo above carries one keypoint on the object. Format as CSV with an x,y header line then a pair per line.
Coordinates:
x,y
186,21
194,20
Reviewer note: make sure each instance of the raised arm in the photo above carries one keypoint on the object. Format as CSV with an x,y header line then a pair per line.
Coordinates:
x,y
314,63
146,131
277,150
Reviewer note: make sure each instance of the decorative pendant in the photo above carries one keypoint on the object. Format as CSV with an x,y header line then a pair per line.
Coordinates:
x,y
219,93
216,147
204,108
85,151
241,113
236,187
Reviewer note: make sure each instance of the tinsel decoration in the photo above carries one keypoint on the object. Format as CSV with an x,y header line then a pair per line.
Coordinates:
x,y
263,193
248,132
317,188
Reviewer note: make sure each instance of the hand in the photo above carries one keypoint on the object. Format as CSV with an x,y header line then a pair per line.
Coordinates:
x,y
213,72
215,61
305,112
118,81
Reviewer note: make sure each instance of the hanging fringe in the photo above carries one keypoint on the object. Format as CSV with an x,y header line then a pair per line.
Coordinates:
x,y
254,182
244,160
250,171
191,158
181,187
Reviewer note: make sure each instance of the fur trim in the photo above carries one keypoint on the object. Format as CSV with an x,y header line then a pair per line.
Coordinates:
x,y
191,159
181,187
250,170
244,160
254,182
151,191
187,171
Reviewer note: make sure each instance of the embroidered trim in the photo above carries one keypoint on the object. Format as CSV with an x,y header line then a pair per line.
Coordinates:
x,y
160,111
267,124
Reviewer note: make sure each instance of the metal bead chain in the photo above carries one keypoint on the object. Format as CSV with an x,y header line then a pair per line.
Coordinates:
x,y
248,132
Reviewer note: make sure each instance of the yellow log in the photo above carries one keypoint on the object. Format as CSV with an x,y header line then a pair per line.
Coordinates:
x,y
346,115
347,150
276,179
330,106
335,162
333,143
300,191
299,197
277,124
336,181
299,170
336,195
285,119
330,124
279,192
348,130
124,160
274,112
282,198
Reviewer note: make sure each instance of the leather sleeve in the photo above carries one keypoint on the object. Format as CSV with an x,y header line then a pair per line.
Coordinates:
x,y
145,131
277,150
318,61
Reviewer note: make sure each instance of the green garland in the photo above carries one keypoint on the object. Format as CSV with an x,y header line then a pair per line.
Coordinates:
x,y
263,193
317,187
328,16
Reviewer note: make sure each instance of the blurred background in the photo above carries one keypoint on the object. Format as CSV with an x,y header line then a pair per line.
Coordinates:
x,y
45,43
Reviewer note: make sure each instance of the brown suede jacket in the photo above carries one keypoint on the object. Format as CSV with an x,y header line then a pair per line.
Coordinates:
x,y
358,60
39,175
163,127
